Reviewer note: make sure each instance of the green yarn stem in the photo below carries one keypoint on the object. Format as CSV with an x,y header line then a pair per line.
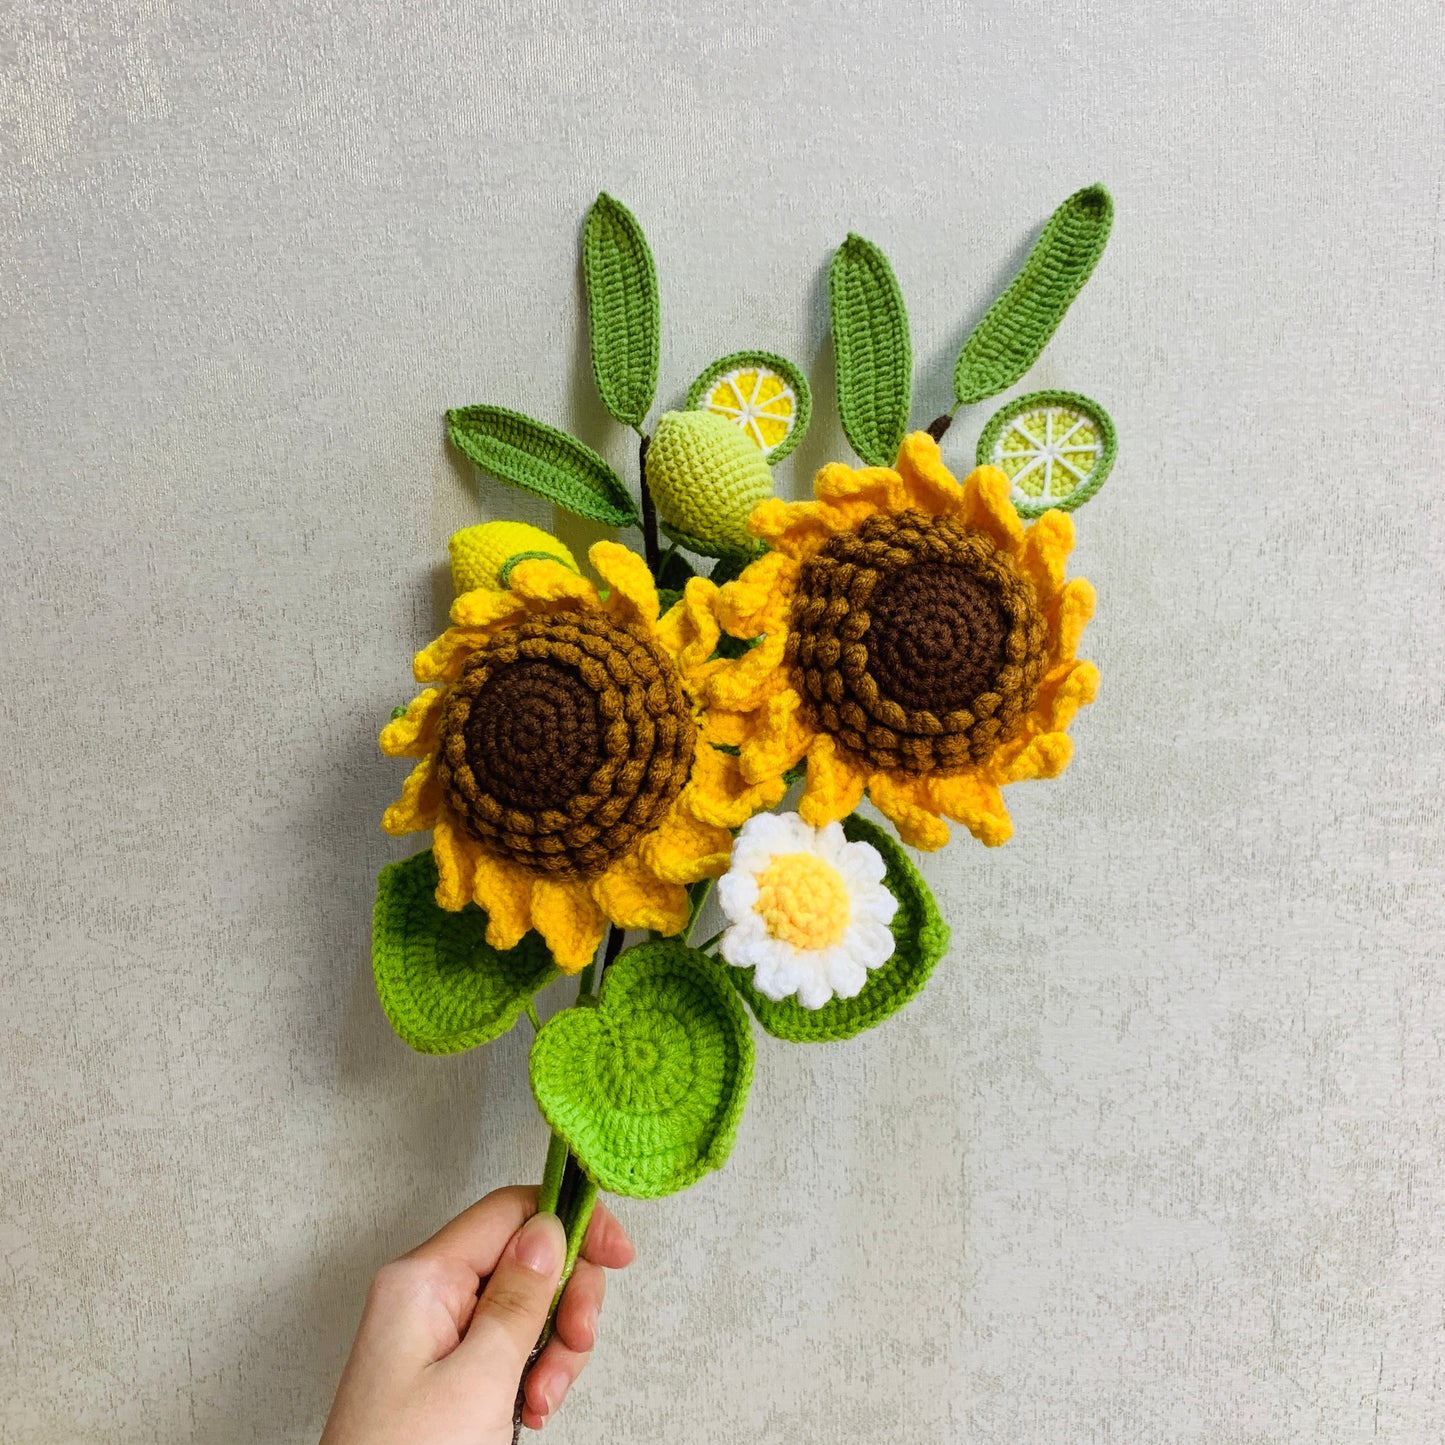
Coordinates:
x,y
548,1194
579,1216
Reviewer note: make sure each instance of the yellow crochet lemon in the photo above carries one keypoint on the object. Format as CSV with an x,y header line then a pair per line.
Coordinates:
x,y
484,556
763,395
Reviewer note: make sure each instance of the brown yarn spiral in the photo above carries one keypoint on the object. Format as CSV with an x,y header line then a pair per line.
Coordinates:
x,y
916,642
564,739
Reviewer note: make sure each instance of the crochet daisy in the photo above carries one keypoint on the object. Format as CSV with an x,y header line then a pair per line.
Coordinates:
x,y
807,910
915,643
562,769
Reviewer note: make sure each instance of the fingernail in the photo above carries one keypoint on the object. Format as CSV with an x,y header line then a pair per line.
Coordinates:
x,y
592,1316
541,1244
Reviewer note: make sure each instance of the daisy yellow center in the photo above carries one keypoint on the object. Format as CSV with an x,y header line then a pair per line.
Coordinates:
x,y
803,901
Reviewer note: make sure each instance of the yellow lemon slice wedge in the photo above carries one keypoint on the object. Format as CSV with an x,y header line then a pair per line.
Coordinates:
x,y
763,394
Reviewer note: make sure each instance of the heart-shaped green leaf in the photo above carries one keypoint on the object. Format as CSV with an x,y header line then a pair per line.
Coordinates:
x,y
648,1085
920,940
622,309
539,458
443,986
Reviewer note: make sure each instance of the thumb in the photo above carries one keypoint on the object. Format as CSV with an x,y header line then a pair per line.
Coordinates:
x,y
513,1307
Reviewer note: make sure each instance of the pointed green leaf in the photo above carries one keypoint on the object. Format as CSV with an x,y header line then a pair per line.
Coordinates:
x,y
539,458
761,392
872,349
648,1085
920,940
1017,327
622,309
442,985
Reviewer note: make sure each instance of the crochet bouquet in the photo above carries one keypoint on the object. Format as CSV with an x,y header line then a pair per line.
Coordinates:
x,y
594,751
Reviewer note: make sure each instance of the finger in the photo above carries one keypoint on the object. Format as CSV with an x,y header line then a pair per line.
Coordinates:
x,y
607,1243
479,1234
580,1306
514,1305
550,1378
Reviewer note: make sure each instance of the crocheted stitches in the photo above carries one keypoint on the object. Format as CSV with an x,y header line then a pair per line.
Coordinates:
x,y
563,740
916,642
648,1087
872,350
1056,447
622,308
1017,327
920,939
539,458
483,556
706,476
443,987
761,393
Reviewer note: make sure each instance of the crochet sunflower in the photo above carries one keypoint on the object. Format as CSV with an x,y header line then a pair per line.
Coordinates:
x,y
914,642
563,769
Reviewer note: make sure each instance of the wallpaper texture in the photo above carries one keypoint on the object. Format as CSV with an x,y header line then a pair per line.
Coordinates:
x,y
1157,1157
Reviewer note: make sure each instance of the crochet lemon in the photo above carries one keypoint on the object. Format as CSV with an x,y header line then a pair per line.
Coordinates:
x,y
483,556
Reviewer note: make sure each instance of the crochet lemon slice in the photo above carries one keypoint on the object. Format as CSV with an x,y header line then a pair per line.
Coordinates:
x,y
1056,447
765,395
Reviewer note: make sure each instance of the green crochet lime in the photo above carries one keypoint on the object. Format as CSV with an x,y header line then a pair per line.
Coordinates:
x,y
920,940
1056,447
647,1086
443,987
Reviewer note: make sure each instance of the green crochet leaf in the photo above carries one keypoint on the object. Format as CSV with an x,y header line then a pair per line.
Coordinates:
x,y
1056,447
539,458
872,350
442,985
623,310
1017,327
761,392
648,1086
921,940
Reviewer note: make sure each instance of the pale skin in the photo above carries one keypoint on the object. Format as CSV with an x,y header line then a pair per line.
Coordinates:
x,y
448,1328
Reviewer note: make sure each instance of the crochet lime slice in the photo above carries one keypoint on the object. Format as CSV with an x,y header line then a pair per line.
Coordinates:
x,y
764,394
648,1085
920,940
1056,447
442,985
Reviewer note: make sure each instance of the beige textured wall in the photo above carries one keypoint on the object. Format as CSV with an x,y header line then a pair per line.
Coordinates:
x,y
1158,1156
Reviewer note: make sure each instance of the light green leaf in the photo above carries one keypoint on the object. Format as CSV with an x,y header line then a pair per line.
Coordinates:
x,y
872,349
648,1085
1017,327
920,940
539,458
443,987
622,308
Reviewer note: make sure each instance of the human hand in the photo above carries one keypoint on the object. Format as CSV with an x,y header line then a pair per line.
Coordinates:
x,y
436,1363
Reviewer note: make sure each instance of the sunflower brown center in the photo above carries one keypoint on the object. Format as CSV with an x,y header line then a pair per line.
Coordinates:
x,y
564,740
916,642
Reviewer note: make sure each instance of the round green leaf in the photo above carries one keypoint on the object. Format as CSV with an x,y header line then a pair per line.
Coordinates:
x,y
648,1084
761,392
1056,447
442,985
920,940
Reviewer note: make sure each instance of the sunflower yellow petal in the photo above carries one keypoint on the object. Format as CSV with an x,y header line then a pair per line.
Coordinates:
x,y
632,594
1043,756
504,892
973,800
745,605
414,735
456,859
632,896
540,579
1045,549
718,793
1070,615
792,529
880,487
568,918
779,738
905,803
755,676
834,784
442,661
987,509
485,607
727,728
689,629
926,481
416,810
1063,692
684,849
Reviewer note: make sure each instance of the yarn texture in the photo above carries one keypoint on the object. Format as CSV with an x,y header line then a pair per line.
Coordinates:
x,y
1056,447
622,309
443,987
482,556
762,394
648,1085
1017,327
919,939
706,475
913,642
872,350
